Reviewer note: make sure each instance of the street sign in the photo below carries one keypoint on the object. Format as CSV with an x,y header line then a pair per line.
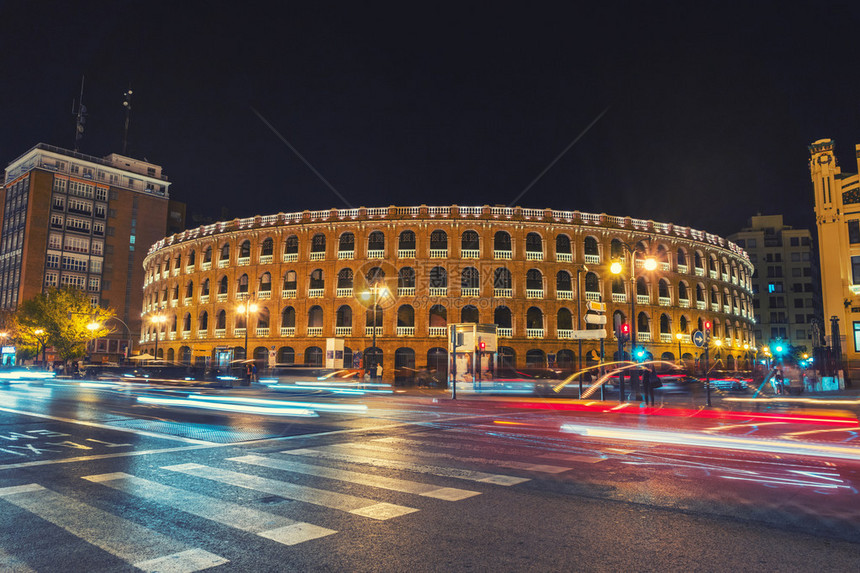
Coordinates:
x,y
596,334
698,338
595,306
595,319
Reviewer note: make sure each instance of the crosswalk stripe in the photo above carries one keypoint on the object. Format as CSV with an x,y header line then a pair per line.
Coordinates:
x,y
326,453
344,502
394,484
545,468
13,564
268,525
125,539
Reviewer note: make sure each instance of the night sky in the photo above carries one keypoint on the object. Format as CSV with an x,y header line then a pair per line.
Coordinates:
x,y
710,110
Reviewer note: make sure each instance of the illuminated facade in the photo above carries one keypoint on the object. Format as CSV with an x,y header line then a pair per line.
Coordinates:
x,y
526,270
837,215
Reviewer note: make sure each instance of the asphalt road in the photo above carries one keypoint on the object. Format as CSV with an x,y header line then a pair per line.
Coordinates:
x,y
94,479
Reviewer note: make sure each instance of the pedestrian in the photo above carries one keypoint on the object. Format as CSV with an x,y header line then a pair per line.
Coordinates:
x,y
653,382
646,385
248,373
254,372
379,370
780,383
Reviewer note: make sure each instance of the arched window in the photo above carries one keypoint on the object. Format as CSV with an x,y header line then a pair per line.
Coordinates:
x,y
665,324
535,358
437,363
344,278
697,259
245,250
534,280
616,249
343,318
502,242
288,317
438,315
177,263
566,359
502,279
469,313
563,282
470,241
267,247
683,291
204,288
642,287
346,244
404,365
266,283
192,256
643,323
286,355
618,318
189,289
376,241
313,356
507,360
564,319
684,325
618,287
243,284
186,322
682,257
291,246
263,318
375,276
663,289
225,252
406,241
203,322
534,243
700,293
438,240
470,279
438,277
406,278
315,316
534,318
405,316
317,280
207,255
221,320
318,243
222,285
590,247
176,292
592,286
290,280
374,318
502,317
562,244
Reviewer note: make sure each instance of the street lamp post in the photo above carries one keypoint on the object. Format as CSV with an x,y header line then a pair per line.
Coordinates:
x,y
649,264
157,320
247,309
377,291
581,269
39,332
679,336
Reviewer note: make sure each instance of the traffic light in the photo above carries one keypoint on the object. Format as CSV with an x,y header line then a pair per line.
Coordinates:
x,y
707,330
640,353
482,345
624,332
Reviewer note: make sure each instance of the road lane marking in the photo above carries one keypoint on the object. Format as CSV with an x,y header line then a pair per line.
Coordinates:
x,y
106,427
326,453
330,499
19,465
545,468
394,484
125,539
268,525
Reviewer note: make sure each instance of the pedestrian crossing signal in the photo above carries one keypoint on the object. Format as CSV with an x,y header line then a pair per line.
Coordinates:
x,y
624,332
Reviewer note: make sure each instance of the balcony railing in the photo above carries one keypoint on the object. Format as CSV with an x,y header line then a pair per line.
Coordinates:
x,y
503,292
715,307
187,301
643,299
262,331
470,253
202,334
592,259
315,331
619,297
189,269
343,331
406,253
502,255
344,292
316,292
665,337
682,268
564,333
438,253
564,294
239,332
205,266
265,259
405,291
590,295
664,266
534,293
725,277
176,272
684,302
376,254
727,309
291,257
171,335
221,297
438,291
243,261
204,298
700,272
534,333
368,330
317,256
563,257
470,292
174,302
288,331
405,331
664,300
438,331
288,293
701,305
643,336
712,273
223,263
505,332
534,255
220,332
345,255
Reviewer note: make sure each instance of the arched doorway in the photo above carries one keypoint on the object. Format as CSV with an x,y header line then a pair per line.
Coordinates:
x,y
437,365
404,366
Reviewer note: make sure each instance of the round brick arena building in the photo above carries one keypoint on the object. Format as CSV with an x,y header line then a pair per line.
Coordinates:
x,y
314,275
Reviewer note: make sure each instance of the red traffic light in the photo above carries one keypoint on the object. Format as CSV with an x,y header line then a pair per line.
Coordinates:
x,y
625,328
707,325
482,345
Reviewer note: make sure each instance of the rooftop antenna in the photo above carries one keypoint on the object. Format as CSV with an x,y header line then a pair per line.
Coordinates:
x,y
127,105
81,116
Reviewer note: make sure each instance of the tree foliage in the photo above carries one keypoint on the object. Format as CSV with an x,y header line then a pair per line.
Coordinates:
x,y
63,316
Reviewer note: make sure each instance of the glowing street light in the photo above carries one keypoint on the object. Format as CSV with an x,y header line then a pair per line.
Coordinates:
x,y
247,309
679,337
43,342
157,320
378,291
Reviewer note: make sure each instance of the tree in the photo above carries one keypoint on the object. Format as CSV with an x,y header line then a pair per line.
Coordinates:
x,y
61,318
